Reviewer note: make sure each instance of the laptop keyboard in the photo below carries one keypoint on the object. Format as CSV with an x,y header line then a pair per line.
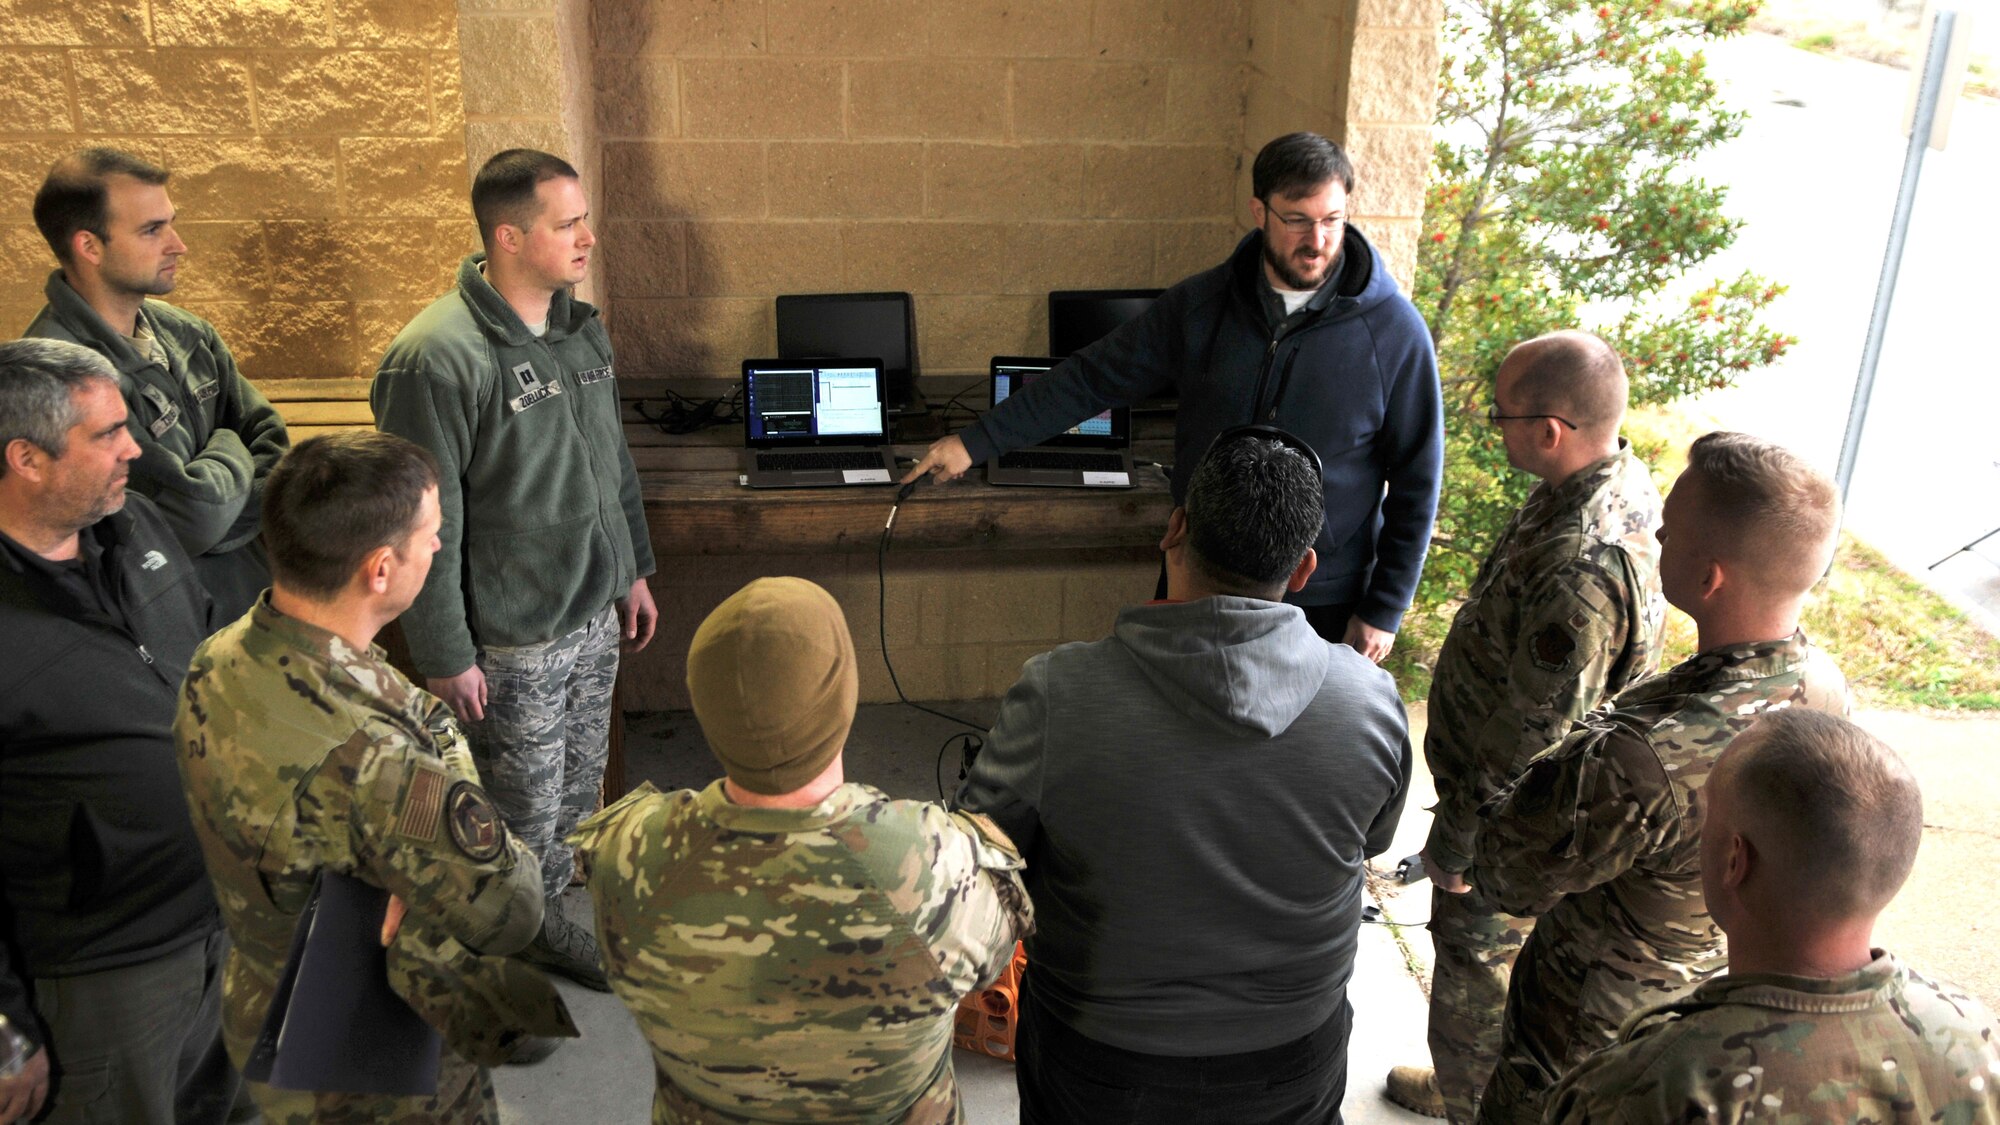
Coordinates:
x,y
1075,462
796,462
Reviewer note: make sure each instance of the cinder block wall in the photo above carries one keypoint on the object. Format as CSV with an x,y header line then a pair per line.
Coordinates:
x,y
317,146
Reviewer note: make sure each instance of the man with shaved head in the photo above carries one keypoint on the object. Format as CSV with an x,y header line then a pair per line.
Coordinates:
x,y
1597,836
1809,827
1565,612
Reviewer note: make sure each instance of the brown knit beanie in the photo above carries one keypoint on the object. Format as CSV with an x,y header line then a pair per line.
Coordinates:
x,y
771,674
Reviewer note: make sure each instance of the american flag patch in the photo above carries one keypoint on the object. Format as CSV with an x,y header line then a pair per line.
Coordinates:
x,y
423,806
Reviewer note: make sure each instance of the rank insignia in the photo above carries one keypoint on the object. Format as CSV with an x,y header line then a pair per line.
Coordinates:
x,y
474,822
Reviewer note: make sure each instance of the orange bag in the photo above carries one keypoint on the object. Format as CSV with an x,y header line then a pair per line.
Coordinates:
x,y
984,1021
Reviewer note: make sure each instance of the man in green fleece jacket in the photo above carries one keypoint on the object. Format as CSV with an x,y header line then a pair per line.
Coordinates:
x,y
207,438
507,380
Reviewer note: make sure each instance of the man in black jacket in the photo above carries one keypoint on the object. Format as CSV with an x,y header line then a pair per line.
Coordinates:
x,y
110,943
1302,327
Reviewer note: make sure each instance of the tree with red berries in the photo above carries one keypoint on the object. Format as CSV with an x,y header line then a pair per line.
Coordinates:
x,y
1561,197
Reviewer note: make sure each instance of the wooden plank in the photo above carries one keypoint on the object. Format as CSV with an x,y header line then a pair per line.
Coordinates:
x,y
314,390
326,413
301,433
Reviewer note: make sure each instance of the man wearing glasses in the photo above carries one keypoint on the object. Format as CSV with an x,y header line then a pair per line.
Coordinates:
x,y
1565,612
1195,797
1302,327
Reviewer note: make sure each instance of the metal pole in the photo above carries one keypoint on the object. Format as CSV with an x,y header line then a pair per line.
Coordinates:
x,y
1899,229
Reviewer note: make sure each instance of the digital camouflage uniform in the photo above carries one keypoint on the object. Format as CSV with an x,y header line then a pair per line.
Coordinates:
x,y
300,752
800,964
1884,1045
1565,612
1600,838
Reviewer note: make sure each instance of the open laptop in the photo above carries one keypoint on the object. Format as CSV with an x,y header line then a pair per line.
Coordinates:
x,y
817,422
1095,453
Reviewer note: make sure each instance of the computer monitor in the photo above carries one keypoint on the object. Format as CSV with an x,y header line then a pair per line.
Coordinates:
x,y
824,325
1081,317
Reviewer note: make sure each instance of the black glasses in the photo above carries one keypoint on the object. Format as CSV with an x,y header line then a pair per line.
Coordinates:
x,y
1493,415
1285,438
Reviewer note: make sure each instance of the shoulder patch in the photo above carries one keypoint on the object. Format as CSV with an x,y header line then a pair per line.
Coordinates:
x,y
423,806
1552,648
474,822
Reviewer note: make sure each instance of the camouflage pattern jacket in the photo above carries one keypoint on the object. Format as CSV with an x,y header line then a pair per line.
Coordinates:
x,y
1566,611
800,964
1601,838
1884,1044
301,752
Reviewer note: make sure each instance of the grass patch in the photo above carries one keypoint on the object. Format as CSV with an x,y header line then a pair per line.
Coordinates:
x,y
1823,42
1901,645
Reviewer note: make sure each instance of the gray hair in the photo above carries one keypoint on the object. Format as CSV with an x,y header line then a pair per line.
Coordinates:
x,y
39,381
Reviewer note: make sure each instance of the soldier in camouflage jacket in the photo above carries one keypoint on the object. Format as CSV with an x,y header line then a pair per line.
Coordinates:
x,y
301,749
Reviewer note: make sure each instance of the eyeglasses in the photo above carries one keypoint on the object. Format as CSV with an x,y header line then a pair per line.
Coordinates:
x,y
1493,415
1285,438
1299,224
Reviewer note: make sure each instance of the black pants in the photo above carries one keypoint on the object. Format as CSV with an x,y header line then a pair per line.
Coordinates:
x,y
1068,1079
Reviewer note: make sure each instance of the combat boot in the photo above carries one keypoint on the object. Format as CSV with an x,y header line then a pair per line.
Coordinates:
x,y
567,949
1415,1088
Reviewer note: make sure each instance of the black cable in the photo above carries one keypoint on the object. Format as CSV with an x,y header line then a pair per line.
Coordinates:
x,y
973,744
944,412
882,620
684,415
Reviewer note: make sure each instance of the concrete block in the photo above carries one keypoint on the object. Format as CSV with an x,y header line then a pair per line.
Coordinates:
x,y
1394,77
447,93
1158,181
519,7
690,335
1273,111
1205,102
1305,50
17,308
24,164
1268,19
400,259
742,98
683,179
286,340
66,23
1039,257
255,178
1065,99
1198,30
1011,28
1010,606
1422,14
760,258
957,99
1003,669
396,178
1397,239
850,180
514,66
226,261
34,92
375,324
231,23
342,92
25,262
678,28
396,23
908,256
485,138
865,28
637,97
959,334
1392,163
644,258
1093,596
998,181
1180,249
187,92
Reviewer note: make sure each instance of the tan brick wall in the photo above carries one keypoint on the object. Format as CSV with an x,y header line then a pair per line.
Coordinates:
x,y
317,148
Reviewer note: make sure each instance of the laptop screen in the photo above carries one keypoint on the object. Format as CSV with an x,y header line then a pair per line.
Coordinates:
x,y
1109,430
824,402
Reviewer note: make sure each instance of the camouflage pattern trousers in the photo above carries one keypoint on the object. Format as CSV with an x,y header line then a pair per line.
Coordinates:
x,y
541,747
1476,947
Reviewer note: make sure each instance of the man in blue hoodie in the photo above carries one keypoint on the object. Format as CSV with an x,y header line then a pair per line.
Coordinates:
x,y
1302,327
1195,796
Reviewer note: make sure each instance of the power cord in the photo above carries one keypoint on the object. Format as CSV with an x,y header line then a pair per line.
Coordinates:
x,y
684,415
972,735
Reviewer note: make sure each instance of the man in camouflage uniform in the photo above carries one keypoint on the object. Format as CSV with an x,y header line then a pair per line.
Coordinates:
x,y
302,750
792,946
1598,837
1565,612
1809,827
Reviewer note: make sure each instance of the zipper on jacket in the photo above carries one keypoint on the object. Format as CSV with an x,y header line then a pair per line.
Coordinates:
x,y
144,655
1263,375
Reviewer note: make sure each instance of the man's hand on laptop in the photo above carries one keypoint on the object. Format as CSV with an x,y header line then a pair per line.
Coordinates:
x,y
945,460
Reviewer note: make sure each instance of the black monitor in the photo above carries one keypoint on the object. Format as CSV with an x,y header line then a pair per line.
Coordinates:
x,y
821,325
1081,317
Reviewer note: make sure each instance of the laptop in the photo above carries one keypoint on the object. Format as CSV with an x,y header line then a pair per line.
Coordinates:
x,y
814,423
1095,453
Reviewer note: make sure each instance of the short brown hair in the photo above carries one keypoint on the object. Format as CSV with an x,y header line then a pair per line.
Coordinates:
x,y
504,189
1766,508
335,498
1835,809
74,195
1574,375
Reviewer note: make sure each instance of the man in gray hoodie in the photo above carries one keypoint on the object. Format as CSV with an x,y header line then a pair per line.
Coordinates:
x,y
1195,796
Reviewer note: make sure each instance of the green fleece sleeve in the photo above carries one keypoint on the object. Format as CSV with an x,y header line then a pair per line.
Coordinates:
x,y
248,414
201,496
438,411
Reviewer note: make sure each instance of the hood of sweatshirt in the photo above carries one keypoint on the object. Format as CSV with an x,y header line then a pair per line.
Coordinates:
x,y
1228,662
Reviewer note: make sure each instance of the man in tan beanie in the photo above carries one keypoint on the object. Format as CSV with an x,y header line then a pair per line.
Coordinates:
x,y
791,944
